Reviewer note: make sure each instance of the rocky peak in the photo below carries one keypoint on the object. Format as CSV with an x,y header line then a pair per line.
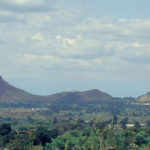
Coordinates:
x,y
1,78
3,85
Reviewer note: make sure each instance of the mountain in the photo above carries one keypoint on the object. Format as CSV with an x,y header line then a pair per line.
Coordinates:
x,y
11,94
144,98
86,96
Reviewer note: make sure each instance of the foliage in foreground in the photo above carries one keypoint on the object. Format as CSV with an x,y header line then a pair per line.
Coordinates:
x,y
94,135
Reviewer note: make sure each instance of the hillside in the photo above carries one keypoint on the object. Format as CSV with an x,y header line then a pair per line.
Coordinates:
x,y
9,93
85,96
144,98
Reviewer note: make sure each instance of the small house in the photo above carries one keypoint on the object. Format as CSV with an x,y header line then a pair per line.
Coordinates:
x,y
111,148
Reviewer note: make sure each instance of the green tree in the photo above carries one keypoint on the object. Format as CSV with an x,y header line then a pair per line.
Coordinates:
x,y
20,142
115,120
137,125
123,122
141,138
42,136
5,129
148,123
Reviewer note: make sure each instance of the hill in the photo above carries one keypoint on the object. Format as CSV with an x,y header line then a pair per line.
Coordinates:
x,y
9,93
85,96
144,98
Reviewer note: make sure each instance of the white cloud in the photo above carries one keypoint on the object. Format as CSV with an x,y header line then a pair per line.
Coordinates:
x,y
38,37
137,44
27,5
67,42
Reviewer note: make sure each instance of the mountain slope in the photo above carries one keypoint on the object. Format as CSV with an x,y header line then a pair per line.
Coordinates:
x,y
86,96
144,98
11,94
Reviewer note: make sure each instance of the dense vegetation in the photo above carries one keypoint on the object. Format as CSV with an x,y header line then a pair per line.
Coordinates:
x,y
77,135
77,126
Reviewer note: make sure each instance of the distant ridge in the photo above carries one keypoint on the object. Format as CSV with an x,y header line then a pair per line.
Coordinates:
x,y
144,98
85,96
11,94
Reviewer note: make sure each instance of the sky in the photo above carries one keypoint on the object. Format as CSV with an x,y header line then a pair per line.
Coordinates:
x,y
50,46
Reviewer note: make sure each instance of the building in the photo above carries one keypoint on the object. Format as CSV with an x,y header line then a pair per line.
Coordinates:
x,y
111,148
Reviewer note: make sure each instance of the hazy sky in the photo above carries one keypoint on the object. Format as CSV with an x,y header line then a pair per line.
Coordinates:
x,y
48,46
